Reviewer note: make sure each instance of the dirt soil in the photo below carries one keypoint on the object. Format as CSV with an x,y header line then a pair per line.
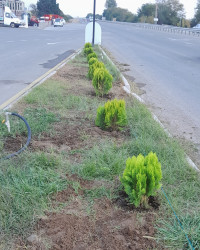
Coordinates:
x,y
81,224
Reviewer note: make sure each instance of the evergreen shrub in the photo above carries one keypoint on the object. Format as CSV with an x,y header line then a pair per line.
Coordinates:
x,y
102,80
141,178
88,51
92,61
93,67
112,115
88,45
91,55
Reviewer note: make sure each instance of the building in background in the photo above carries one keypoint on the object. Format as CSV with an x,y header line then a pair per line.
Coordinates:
x,y
16,6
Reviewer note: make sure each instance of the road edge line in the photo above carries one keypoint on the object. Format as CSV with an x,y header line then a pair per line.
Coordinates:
x,y
38,81
127,89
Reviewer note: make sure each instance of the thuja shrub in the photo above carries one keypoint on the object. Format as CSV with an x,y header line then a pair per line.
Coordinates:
x,y
91,55
102,81
93,67
112,115
88,51
87,45
141,178
92,61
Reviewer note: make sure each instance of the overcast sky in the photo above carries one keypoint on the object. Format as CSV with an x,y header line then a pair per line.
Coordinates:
x,y
81,8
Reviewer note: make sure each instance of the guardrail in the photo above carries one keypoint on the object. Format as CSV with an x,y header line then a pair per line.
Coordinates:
x,y
164,28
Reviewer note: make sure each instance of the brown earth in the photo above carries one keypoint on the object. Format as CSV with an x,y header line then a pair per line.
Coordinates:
x,y
81,224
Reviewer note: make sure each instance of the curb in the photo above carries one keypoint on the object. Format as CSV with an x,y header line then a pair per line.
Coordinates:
x,y
38,81
127,89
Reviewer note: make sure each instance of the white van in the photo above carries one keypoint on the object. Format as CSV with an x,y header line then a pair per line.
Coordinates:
x,y
8,18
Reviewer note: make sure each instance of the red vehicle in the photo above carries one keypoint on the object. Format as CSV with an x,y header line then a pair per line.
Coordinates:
x,y
49,17
33,21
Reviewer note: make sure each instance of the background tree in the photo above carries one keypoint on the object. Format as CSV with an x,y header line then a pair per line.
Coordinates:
x,y
48,7
110,4
121,15
147,9
170,12
146,13
33,9
196,18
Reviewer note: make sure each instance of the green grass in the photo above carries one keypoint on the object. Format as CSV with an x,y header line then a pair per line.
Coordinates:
x,y
109,66
103,161
27,182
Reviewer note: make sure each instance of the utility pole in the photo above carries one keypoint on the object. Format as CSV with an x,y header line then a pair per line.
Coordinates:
x,y
93,34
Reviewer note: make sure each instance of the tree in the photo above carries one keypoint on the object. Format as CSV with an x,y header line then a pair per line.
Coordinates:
x,y
33,9
121,15
147,10
48,7
170,12
146,13
110,4
196,18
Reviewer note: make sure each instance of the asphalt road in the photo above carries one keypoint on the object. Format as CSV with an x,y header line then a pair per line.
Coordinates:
x,y
26,54
167,67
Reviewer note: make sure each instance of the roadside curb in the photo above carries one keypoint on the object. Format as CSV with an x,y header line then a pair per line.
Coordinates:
x,y
36,82
127,89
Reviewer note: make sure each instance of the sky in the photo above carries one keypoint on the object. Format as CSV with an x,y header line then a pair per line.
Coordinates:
x,y
80,8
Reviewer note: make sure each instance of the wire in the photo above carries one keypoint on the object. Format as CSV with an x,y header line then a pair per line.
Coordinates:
x,y
178,220
28,139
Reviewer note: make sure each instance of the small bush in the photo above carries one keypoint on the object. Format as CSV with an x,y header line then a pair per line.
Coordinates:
x,y
91,55
92,61
88,45
141,178
88,51
93,67
112,115
102,81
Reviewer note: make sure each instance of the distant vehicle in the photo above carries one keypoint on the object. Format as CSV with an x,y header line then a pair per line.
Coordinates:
x,y
197,26
8,18
32,20
91,18
58,22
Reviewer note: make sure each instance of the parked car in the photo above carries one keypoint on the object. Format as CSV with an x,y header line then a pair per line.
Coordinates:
x,y
58,22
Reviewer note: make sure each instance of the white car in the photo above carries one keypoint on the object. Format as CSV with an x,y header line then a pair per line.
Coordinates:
x,y
58,23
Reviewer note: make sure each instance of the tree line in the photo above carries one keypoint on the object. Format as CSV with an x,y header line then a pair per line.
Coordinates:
x,y
170,12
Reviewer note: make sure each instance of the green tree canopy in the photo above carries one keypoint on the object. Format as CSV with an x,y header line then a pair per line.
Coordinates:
x,y
147,10
110,4
170,12
48,7
196,18
121,15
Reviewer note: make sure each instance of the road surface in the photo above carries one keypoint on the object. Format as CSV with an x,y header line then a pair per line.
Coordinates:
x,y
167,66
26,54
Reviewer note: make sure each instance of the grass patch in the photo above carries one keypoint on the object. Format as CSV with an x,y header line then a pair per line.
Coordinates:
x,y
108,64
40,120
104,161
27,182
26,186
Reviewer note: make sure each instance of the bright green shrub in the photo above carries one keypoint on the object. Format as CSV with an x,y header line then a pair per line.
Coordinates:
x,y
141,178
87,45
92,61
112,115
91,55
93,67
102,81
88,51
